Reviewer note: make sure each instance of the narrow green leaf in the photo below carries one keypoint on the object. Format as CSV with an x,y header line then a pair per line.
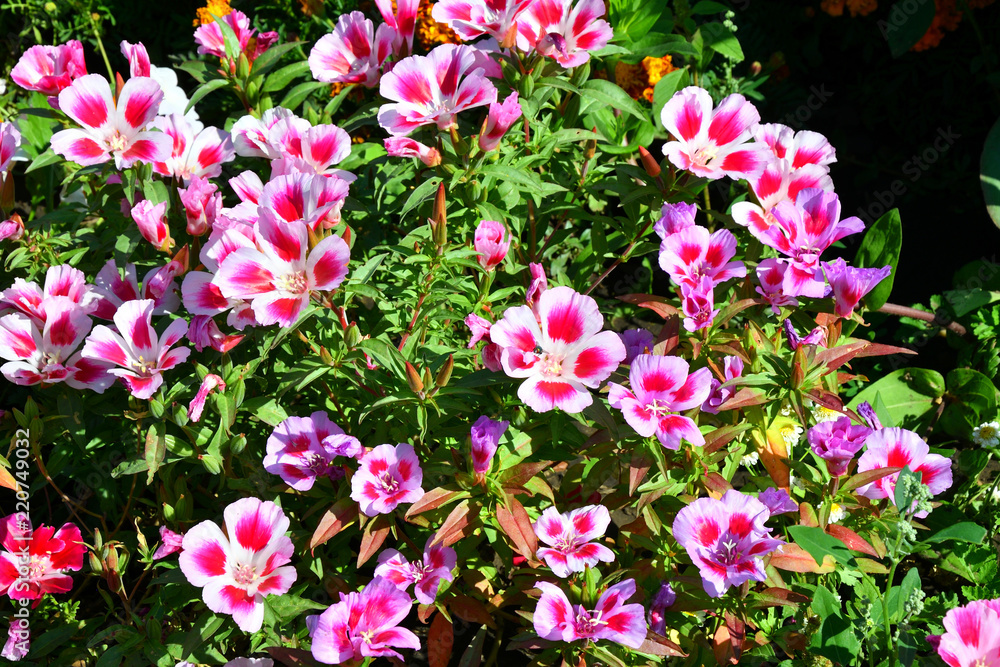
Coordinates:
x,y
880,247
203,90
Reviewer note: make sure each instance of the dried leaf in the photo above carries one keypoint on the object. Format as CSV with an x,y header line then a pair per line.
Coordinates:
x,y
374,535
440,641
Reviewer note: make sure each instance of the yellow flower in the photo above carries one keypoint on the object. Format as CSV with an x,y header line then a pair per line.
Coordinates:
x,y
429,32
216,7
656,69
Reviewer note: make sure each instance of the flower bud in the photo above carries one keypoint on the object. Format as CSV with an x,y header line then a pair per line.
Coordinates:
x,y
413,378
444,375
650,164
491,243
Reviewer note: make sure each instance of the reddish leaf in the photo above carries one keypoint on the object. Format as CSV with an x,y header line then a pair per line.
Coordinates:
x,y
342,514
518,476
452,529
371,540
516,524
655,644
726,646
723,436
433,499
827,399
425,611
851,539
669,336
794,558
836,357
775,597
7,480
716,484
471,610
879,350
773,456
733,309
744,398
637,469
657,304
440,641
807,516
868,477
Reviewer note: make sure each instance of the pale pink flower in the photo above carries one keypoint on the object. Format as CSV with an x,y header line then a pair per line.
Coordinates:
x,y
492,355
556,619
479,327
485,436
113,289
197,150
18,640
563,31
726,539
971,635
312,150
152,222
202,201
428,573
209,384
389,475
539,283
713,143
571,538
171,542
62,280
209,36
141,356
403,23
732,368
574,353
661,387
302,449
850,284
500,119
674,218
204,332
10,143
238,568
695,253
138,58
435,88
252,137
800,148
353,53
771,274
12,228
837,442
111,128
50,69
898,447
363,625
474,18
50,555
406,147
778,183
491,243
277,276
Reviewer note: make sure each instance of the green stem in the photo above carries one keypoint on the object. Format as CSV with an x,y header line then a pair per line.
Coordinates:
x,y
100,47
885,597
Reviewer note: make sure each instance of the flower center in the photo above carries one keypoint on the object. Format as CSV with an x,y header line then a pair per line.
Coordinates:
x,y
729,551
245,574
587,625
658,408
367,636
37,566
142,365
704,155
568,542
316,464
418,570
389,483
551,365
292,283
117,142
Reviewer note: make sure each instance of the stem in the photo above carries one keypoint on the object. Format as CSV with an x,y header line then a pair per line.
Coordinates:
x,y
885,597
100,47
933,318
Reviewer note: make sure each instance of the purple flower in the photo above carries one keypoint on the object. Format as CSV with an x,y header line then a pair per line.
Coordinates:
x,y
171,543
389,475
557,620
698,305
777,501
816,337
486,434
570,538
732,368
303,448
674,218
437,563
867,413
850,284
637,341
726,539
836,442
665,597
18,640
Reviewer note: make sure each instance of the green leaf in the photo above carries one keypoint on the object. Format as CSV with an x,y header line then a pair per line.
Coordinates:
x,y
269,58
819,544
284,76
989,173
835,638
900,594
156,449
722,41
665,89
203,90
287,607
43,160
385,354
299,93
608,94
879,248
905,24
902,496
971,401
229,38
709,7
420,194
907,395
960,532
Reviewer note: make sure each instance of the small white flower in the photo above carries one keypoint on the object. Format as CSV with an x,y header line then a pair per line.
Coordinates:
x,y
821,414
837,513
795,481
987,435
750,459
995,494
791,434
3,86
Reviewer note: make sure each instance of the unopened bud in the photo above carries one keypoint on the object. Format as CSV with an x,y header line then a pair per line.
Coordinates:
x,y
445,373
96,565
440,205
755,68
649,163
428,379
183,259
352,336
325,356
590,147
7,193
243,66
119,84
413,378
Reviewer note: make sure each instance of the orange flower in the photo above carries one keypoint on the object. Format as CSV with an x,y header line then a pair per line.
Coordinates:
x,y
429,32
833,7
947,17
216,7
656,69
862,7
633,79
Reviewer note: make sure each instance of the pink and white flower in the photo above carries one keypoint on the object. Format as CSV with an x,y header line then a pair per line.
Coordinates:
x,y
500,119
12,228
110,128
713,143
353,53
850,285
239,567
363,625
428,573
726,539
563,31
389,475
695,253
971,635
561,354
556,619
310,150
209,36
778,183
479,327
698,304
202,201
18,640
571,538
114,289
315,200
50,555
491,243
474,18
204,332
138,58
209,384
197,150
435,88
406,147
10,144
50,69
152,222
898,447
141,356
62,280
800,148
662,386
276,275
403,23
732,368
771,274
485,436
302,449
170,543
252,137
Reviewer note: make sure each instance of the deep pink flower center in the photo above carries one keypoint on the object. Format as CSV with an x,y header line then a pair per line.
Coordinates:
x,y
587,625
389,483
245,574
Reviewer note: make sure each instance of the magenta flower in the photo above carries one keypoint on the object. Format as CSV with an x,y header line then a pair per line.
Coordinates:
x,y
435,88
50,555
500,119
777,501
10,143
18,640
314,199
778,183
436,566
210,40
113,289
209,384
850,284
674,218
637,341
801,148
571,538
492,357
406,147
726,539
276,276
836,442
50,69
664,598
141,355
771,274
475,18
363,625
491,243
815,337
387,477
12,228
556,619
202,201
662,386
111,128
897,447
565,32
204,332
574,353
138,58
539,283
239,567
197,150
694,253
171,542
479,327
698,304
152,222
713,143
403,22
485,434
301,449
971,635
353,53
62,280
732,368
